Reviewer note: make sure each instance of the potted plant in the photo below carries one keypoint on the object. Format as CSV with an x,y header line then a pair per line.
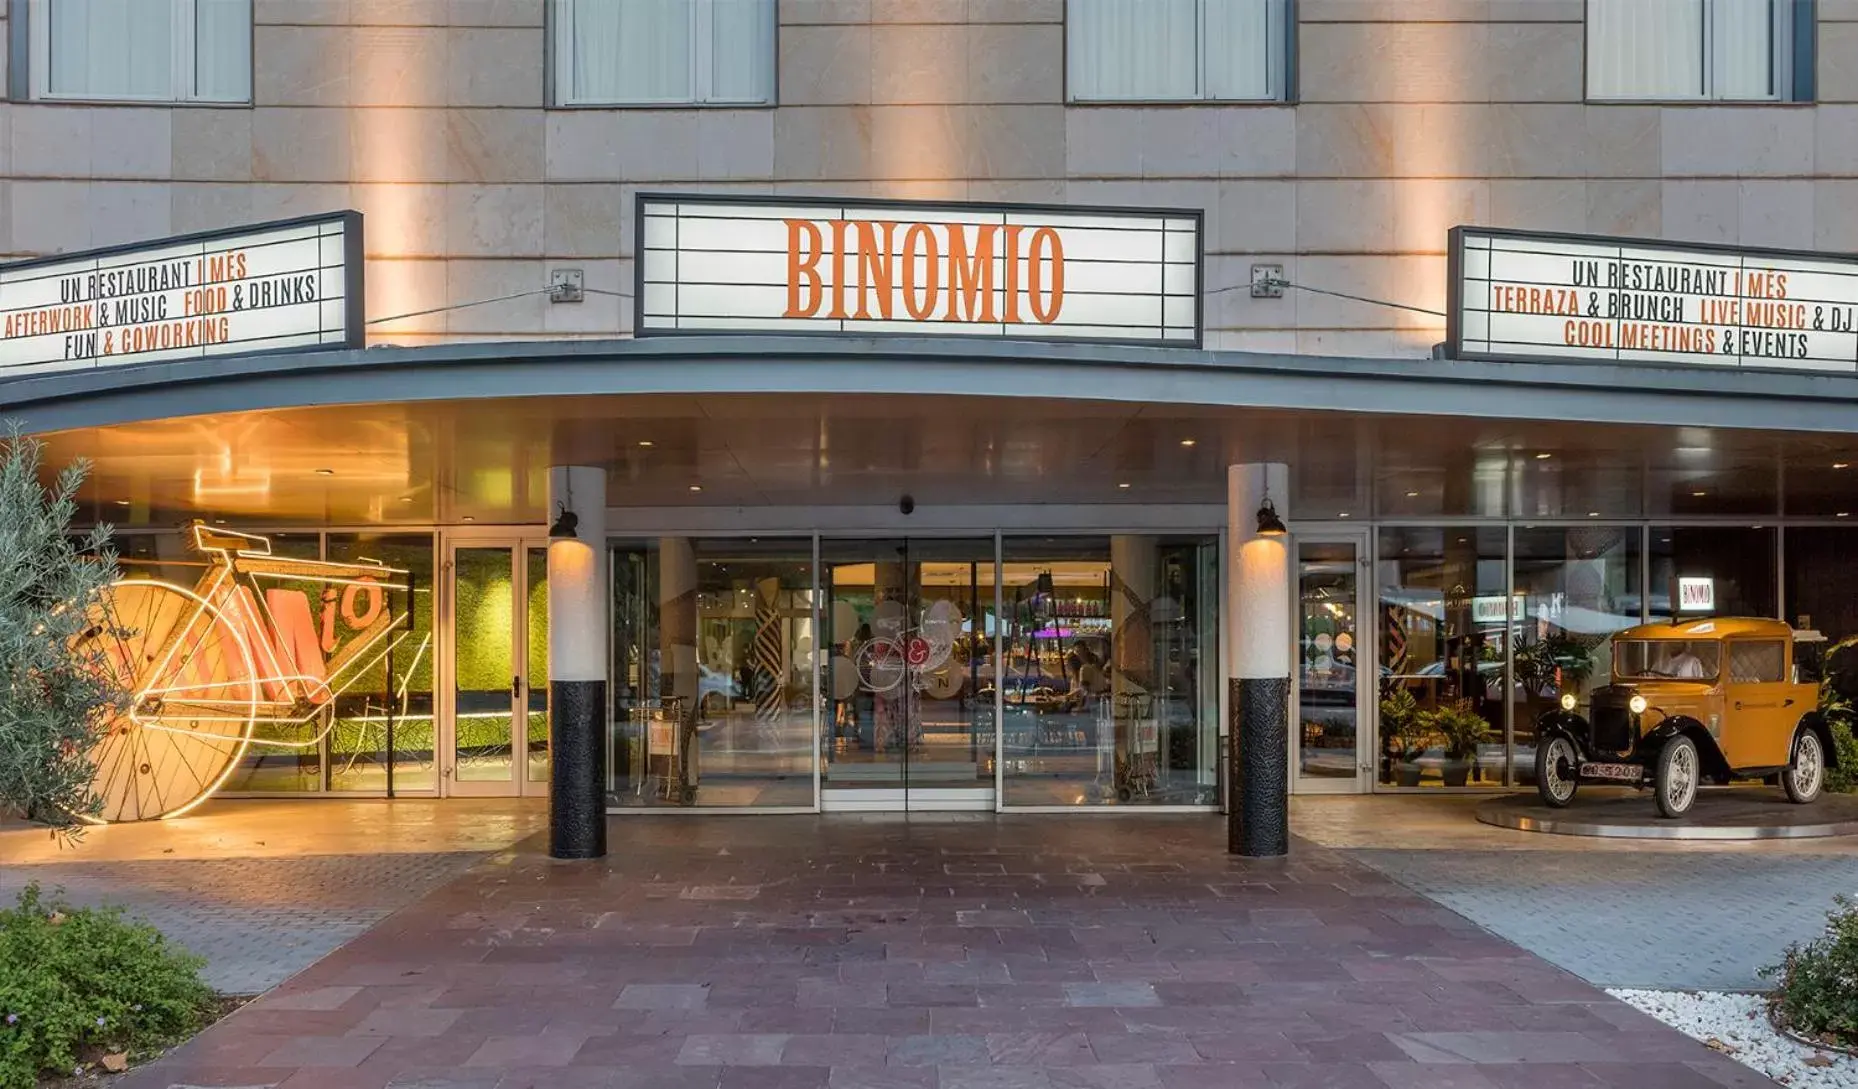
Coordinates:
x,y
1404,734
1461,729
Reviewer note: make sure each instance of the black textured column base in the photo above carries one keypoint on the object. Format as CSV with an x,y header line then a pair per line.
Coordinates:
x,y
1258,781
577,769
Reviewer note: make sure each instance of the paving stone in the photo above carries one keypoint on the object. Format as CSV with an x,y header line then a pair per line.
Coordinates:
x,y
936,954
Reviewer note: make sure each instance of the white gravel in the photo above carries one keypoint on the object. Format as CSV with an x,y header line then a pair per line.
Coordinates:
x,y
1737,1025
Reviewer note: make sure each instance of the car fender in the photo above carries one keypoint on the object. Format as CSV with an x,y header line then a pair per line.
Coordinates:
x,y
1816,722
1715,764
1569,725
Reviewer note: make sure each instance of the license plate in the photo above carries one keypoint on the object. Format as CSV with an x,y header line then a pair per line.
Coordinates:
x,y
1629,772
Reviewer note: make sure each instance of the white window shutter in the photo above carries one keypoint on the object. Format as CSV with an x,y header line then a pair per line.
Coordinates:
x,y
1742,49
1133,49
223,50
741,51
101,48
1241,39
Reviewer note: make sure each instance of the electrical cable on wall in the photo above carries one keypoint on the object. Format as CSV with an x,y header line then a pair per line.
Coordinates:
x,y
1325,291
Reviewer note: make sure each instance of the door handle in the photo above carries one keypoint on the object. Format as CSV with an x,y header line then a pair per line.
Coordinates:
x,y
516,688
1787,702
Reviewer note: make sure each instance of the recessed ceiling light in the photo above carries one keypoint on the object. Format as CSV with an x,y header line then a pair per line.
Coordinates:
x,y
1122,485
1188,442
1843,514
1593,514
1412,495
1698,495
468,518
1841,465
1543,456
325,472
219,521
122,502
696,487
645,442
406,499
1343,514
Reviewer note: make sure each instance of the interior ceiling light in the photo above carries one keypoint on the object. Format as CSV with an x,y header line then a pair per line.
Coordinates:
x,y
1841,465
325,472
1412,495
469,518
1188,442
1843,514
696,487
1343,514
1698,495
1122,485
122,502
645,442
1543,456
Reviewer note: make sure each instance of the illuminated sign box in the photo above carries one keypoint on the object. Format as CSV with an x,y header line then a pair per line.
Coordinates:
x,y
1696,595
292,284
778,265
1529,296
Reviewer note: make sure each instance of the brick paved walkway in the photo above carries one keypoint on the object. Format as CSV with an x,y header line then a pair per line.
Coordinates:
x,y
1679,920
985,953
257,921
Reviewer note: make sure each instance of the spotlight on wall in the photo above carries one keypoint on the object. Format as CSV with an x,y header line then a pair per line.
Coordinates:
x,y
565,525
1269,524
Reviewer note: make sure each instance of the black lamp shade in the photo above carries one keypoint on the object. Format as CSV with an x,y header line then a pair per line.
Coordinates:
x,y
565,525
1269,524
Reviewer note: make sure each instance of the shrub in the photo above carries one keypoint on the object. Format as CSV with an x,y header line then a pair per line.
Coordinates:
x,y
76,984
1816,992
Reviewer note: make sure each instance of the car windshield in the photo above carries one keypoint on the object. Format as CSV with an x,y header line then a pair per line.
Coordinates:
x,y
1682,659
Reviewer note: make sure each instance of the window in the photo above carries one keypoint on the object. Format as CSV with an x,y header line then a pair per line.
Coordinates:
x,y
663,52
1757,662
142,50
1727,50
1176,50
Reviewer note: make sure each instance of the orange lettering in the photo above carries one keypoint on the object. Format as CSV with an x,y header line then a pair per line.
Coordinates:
x,y
1047,312
970,276
838,271
919,236
372,595
1012,272
875,267
801,264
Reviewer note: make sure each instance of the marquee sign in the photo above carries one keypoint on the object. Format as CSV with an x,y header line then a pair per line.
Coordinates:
x,y
780,265
1517,295
290,284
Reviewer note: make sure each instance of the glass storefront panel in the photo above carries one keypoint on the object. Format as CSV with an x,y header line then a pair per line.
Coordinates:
x,y
280,758
1822,582
908,695
1713,571
384,732
1575,587
1444,619
713,647
535,672
1328,659
484,663
1109,670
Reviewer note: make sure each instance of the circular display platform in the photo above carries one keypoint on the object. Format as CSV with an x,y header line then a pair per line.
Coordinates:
x,y
1721,813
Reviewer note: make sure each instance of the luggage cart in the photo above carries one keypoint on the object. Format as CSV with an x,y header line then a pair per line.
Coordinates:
x,y
1138,768
670,750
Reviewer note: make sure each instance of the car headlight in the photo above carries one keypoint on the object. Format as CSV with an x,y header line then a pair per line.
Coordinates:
x,y
1637,705
1568,702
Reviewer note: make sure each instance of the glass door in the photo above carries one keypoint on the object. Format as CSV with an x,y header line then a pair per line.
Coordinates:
x,y
496,728
909,695
1332,710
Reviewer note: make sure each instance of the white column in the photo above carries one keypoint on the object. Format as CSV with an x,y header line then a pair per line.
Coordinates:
x,y
1259,633
577,663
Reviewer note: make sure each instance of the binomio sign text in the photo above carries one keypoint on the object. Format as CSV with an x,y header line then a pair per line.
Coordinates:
x,y
777,265
275,286
1519,295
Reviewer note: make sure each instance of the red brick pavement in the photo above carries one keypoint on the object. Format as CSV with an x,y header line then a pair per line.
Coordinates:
x,y
1038,952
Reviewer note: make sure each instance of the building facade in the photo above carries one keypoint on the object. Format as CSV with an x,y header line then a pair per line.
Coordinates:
x,y
903,567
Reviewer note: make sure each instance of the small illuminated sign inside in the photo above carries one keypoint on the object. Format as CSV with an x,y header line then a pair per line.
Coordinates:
x,y
1490,610
1517,295
1696,595
275,286
780,265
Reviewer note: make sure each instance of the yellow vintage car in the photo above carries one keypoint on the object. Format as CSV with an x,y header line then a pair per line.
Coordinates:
x,y
1692,701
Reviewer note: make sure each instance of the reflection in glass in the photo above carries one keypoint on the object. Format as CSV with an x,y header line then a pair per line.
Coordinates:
x,y
484,657
1444,620
1712,571
388,710
1108,670
1328,641
1822,582
712,673
535,673
908,679
1576,587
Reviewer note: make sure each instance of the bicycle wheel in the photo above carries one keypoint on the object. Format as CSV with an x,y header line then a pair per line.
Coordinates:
x,y
193,700
880,665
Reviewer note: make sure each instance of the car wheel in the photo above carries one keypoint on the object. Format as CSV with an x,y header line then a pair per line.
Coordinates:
x,y
1557,771
1677,775
1806,769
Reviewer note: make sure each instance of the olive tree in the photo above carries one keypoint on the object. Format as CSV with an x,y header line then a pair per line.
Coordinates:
x,y
57,692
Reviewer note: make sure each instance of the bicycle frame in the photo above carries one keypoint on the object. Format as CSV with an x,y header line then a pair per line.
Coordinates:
x,y
303,657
